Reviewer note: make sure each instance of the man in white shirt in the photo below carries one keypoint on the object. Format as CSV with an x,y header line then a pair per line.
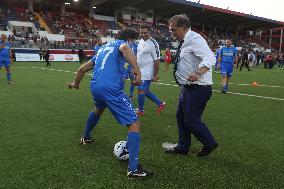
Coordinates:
x,y
193,72
148,58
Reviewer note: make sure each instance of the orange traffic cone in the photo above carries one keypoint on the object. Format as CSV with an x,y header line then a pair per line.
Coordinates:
x,y
254,84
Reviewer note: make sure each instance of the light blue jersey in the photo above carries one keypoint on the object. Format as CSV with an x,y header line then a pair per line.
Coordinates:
x,y
228,54
108,73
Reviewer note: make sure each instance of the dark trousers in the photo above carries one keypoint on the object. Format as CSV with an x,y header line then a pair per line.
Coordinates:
x,y
47,62
244,62
192,102
80,59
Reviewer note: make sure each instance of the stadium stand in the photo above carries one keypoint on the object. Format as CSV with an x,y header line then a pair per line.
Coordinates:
x,y
80,30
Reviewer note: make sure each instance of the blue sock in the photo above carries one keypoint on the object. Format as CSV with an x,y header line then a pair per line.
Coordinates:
x,y
153,97
131,89
141,101
91,123
226,87
9,76
133,144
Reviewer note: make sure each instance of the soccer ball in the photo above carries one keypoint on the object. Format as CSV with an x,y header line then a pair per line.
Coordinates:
x,y
120,150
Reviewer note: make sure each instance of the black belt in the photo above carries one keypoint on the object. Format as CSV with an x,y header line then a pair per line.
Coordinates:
x,y
193,86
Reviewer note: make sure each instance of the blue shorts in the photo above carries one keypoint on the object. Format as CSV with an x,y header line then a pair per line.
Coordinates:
x,y
5,62
145,85
226,69
121,108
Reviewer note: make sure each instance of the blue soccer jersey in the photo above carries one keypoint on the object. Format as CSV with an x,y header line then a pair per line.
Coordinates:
x,y
108,73
133,46
5,54
228,54
97,48
107,83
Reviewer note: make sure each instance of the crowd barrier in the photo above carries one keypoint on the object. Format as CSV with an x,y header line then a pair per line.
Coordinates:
x,y
58,55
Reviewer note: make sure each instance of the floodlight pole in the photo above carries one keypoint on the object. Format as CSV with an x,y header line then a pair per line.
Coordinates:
x,y
281,39
30,5
270,36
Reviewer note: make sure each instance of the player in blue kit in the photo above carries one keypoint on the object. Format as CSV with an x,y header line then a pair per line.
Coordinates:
x,y
228,56
6,56
107,85
133,46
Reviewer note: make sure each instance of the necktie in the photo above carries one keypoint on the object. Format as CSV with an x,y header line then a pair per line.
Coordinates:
x,y
177,57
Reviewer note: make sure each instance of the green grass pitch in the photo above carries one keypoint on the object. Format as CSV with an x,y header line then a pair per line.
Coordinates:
x,y
41,123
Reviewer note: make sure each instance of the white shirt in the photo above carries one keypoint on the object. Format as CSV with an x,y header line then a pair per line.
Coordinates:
x,y
195,53
147,52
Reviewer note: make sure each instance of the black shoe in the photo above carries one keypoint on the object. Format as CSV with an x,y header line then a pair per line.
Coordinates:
x,y
224,91
206,151
176,150
85,141
138,173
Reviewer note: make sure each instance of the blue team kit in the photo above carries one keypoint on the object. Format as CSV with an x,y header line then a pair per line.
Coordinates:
x,y
107,83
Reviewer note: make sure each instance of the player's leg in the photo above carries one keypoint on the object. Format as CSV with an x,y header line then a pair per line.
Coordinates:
x,y
247,65
8,71
229,75
184,135
93,119
122,109
216,67
141,97
224,72
167,65
161,104
242,64
194,105
1,63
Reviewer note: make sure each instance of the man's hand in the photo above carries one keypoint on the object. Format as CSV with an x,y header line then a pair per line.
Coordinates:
x,y
137,79
72,85
193,77
155,78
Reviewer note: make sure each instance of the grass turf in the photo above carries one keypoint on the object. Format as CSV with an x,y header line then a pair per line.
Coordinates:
x,y
42,122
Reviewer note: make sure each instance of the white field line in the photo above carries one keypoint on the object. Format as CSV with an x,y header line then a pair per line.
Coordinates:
x,y
246,84
167,84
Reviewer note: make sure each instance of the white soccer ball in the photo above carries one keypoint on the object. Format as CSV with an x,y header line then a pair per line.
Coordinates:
x,y
120,150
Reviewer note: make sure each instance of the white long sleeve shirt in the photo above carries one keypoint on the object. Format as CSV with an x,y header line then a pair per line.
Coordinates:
x,y
147,52
195,53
